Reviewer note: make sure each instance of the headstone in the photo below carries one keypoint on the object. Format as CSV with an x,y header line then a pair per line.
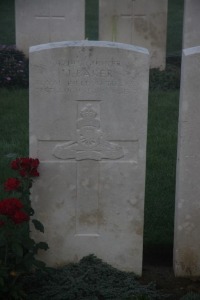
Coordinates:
x,y
137,22
191,31
45,21
187,215
88,123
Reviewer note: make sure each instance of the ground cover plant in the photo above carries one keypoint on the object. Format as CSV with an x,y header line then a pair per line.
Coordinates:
x,y
89,279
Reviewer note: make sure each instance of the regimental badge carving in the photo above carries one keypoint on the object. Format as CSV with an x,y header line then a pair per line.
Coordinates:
x,y
91,143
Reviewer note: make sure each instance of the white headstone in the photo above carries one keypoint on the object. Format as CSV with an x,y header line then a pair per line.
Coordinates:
x,y
88,123
45,21
187,215
138,22
191,30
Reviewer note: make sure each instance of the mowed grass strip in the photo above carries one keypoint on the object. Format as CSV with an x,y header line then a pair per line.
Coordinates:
x,y
175,27
13,129
7,22
91,19
161,168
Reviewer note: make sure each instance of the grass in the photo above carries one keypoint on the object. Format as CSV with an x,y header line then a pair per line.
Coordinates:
x,y
13,128
91,17
161,168
174,29
7,22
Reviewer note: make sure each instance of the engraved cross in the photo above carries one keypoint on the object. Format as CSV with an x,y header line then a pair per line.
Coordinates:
x,y
88,149
49,17
128,17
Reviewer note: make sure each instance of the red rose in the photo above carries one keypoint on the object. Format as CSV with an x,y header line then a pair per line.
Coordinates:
x,y
34,163
9,206
23,173
25,163
26,166
14,164
20,217
34,173
11,184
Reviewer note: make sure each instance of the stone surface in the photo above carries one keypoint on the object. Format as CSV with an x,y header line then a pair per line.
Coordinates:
x,y
88,123
191,32
45,21
187,216
138,22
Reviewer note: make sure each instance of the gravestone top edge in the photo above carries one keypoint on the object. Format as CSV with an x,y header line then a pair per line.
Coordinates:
x,y
192,50
86,43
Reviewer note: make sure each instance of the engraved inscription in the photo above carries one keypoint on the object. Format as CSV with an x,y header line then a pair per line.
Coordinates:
x,y
74,76
91,143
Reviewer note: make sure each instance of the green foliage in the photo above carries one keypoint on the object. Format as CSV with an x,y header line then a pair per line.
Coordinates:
x,y
191,296
13,68
89,279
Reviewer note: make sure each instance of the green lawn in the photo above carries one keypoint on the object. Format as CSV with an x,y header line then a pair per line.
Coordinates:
x,y
7,22
161,167
174,29
162,127
13,128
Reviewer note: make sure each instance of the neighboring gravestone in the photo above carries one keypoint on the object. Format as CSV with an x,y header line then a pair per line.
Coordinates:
x,y
88,125
191,30
44,21
138,22
187,216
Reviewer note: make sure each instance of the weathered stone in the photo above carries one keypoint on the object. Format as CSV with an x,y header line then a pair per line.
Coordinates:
x,y
45,21
187,220
138,22
191,32
88,122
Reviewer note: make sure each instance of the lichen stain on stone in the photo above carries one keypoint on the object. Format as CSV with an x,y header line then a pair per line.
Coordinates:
x,y
71,224
137,227
188,262
90,51
155,35
60,204
91,218
58,240
140,26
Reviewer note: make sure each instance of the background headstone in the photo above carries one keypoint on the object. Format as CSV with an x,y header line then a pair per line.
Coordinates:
x,y
44,21
187,215
191,28
88,124
138,22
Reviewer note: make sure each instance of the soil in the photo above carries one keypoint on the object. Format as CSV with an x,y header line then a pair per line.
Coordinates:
x,y
160,271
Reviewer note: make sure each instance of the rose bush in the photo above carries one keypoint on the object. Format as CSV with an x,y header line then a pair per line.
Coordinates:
x,y
13,68
17,248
